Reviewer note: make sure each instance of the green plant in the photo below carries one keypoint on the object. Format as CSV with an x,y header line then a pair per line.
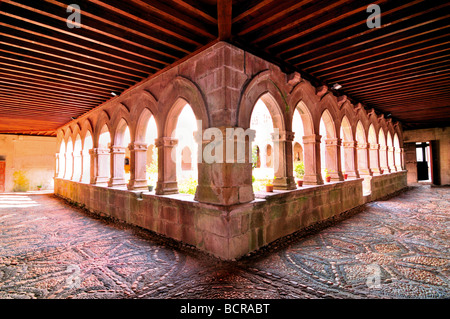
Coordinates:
x,y
21,182
326,172
187,186
299,170
254,156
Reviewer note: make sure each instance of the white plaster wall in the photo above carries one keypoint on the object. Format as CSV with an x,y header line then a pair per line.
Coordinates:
x,y
35,155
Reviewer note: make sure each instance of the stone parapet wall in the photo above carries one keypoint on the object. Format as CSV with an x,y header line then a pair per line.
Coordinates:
x,y
228,232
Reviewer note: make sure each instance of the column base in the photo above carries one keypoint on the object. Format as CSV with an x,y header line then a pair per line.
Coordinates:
x,y
312,180
117,182
376,171
137,184
284,183
166,188
100,181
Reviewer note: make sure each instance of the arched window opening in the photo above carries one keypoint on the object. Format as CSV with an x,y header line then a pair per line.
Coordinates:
x,y
363,164
298,155
62,160
69,160
184,132
261,122
328,159
77,163
104,143
88,145
397,153
390,146
347,150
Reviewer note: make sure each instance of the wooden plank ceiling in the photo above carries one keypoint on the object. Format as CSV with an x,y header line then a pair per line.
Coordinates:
x,y
51,73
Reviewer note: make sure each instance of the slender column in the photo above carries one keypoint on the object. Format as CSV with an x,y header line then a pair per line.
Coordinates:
x,y
69,166
391,159
138,160
402,158
167,171
333,158
397,159
350,155
117,166
99,166
282,160
313,174
384,159
363,160
374,159
86,171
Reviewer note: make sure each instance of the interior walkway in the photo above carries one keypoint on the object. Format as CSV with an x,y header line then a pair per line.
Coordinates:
x,y
397,248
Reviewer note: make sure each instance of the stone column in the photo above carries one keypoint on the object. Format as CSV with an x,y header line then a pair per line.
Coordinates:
x,y
333,158
167,170
117,154
282,160
402,158
384,159
398,159
374,159
138,160
69,155
391,162
225,178
99,166
363,160
85,173
350,159
313,175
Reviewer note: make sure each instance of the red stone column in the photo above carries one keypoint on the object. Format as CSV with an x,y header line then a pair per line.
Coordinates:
x,y
227,179
363,160
333,158
99,166
391,162
283,161
313,174
402,158
117,167
374,159
398,159
167,170
138,160
384,159
350,159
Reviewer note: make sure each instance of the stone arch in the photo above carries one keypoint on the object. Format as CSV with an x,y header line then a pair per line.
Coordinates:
x,y
348,149
329,147
264,88
101,121
77,157
178,93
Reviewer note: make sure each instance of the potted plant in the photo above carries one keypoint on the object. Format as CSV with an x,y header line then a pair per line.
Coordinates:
x,y
381,171
269,186
327,176
345,175
299,173
39,187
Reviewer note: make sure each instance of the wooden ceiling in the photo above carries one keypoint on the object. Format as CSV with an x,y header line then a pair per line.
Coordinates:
x,y
51,73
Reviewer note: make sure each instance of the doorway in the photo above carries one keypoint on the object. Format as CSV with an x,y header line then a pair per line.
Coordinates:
x,y
423,162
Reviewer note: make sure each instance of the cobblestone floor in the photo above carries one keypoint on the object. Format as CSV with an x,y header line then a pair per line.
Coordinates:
x,y
397,248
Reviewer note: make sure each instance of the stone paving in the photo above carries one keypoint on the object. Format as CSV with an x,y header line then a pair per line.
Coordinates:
x,y
398,248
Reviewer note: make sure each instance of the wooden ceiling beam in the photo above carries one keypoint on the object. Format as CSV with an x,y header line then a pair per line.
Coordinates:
x,y
195,10
224,19
252,7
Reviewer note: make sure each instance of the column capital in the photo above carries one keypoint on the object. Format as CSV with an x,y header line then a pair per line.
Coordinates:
x,y
362,145
374,146
137,147
98,151
350,144
333,141
282,136
166,142
383,147
117,149
311,139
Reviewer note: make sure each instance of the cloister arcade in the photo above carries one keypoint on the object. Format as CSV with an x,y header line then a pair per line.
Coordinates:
x,y
170,121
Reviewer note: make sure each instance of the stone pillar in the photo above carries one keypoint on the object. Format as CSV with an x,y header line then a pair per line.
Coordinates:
x,y
226,178
384,159
374,159
85,172
167,170
363,160
138,160
117,154
67,173
391,162
100,163
398,159
333,158
313,174
283,161
350,159
402,158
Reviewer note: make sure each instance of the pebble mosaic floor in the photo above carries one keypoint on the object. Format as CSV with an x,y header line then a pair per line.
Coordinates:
x,y
398,248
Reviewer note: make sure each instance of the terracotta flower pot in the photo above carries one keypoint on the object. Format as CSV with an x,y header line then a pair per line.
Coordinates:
x,y
381,171
328,178
269,188
150,188
345,176
300,183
